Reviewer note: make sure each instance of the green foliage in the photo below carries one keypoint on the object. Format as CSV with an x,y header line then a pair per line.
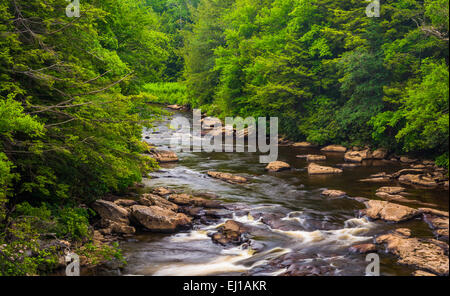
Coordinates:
x,y
331,74
166,92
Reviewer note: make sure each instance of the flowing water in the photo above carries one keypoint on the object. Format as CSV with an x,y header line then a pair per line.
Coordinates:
x,y
308,228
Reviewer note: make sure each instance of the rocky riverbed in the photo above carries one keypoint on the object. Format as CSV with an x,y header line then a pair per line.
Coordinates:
x,y
314,212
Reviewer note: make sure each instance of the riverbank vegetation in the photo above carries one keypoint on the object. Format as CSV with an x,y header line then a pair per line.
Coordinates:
x,y
74,93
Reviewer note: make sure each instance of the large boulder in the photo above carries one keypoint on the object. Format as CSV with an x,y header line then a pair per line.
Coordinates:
x,y
357,156
277,166
158,219
315,169
155,200
334,148
163,156
110,211
227,177
421,254
377,209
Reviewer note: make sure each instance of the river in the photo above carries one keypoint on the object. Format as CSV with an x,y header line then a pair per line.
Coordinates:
x,y
315,231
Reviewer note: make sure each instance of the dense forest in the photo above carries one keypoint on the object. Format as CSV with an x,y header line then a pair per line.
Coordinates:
x,y
75,93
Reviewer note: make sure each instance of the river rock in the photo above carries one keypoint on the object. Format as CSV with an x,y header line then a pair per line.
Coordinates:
x,y
380,153
163,156
125,202
423,255
110,211
231,233
210,122
230,178
158,219
116,227
149,199
391,190
277,166
439,225
162,191
175,107
420,180
377,209
422,273
333,193
334,148
357,156
406,159
433,212
408,171
189,200
375,180
363,248
315,169
406,232
303,145
349,165
311,158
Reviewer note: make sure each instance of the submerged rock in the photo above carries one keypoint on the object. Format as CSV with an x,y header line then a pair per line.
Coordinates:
x,y
230,178
334,148
315,169
423,255
158,219
377,209
277,166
